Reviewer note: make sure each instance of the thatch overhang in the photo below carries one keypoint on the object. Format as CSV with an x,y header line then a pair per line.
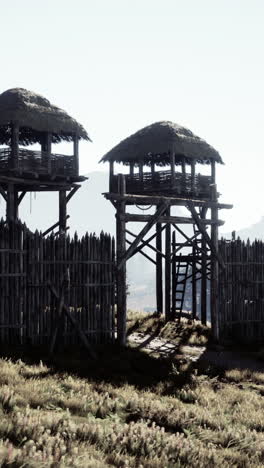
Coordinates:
x,y
156,142
35,116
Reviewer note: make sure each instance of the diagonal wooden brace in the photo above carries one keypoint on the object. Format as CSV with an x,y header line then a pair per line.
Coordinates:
x,y
202,229
154,219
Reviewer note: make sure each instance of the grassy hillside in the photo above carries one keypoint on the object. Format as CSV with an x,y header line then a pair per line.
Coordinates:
x,y
130,409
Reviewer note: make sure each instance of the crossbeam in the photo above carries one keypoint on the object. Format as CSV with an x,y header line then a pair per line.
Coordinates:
x,y
156,200
128,218
207,238
152,219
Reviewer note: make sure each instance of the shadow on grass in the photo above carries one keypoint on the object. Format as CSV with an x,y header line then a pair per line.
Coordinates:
x,y
114,365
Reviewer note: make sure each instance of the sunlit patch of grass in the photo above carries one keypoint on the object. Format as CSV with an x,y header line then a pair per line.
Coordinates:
x,y
244,375
184,332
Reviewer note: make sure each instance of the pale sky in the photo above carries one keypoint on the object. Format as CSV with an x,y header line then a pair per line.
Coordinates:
x,y
118,65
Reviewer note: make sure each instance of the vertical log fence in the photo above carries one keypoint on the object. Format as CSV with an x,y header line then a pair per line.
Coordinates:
x,y
241,291
30,264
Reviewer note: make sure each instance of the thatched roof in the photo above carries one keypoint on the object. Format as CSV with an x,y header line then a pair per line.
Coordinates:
x,y
157,141
35,115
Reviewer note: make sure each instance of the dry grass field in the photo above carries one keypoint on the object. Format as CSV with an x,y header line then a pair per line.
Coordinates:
x,y
130,409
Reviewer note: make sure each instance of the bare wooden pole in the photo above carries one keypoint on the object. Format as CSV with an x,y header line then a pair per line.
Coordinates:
x,y
131,168
214,271
159,281
168,269
121,272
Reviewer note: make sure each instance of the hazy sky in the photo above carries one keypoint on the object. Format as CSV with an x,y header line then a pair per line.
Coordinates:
x,y
118,65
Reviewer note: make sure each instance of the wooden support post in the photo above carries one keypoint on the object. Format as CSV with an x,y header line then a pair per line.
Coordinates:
x,y
213,175
168,269
194,284
111,175
11,203
76,153
172,161
214,271
140,171
193,176
183,174
204,275
14,146
131,169
174,285
159,281
121,272
152,165
62,211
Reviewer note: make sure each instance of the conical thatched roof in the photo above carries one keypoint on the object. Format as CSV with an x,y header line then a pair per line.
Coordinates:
x,y
157,141
35,115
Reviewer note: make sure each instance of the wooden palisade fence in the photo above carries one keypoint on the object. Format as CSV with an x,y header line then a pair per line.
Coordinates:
x,y
30,264
241,291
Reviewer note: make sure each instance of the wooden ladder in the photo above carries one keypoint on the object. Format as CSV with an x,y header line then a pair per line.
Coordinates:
x,y
179,288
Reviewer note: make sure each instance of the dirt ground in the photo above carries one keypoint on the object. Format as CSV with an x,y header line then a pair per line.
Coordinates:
x,y
214,355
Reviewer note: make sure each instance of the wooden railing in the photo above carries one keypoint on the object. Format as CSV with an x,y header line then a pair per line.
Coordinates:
x,y
39,162
162,182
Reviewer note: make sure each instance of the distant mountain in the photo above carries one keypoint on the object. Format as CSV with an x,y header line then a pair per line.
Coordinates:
x,y
255,231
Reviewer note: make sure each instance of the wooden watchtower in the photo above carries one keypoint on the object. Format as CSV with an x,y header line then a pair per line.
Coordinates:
x,y
27,118
163,161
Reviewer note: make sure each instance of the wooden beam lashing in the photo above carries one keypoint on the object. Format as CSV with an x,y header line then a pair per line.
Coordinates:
x,y
76,153
14,145
168,269
153,220
121,271
62,212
